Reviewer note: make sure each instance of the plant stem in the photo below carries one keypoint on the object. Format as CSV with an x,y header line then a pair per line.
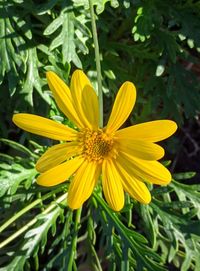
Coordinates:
x,y
74,239
26,209
33,221
98,64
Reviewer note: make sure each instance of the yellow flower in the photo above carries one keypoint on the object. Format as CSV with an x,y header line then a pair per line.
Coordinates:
x,y
125,158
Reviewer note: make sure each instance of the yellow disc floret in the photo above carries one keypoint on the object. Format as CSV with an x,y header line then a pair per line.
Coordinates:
x,y
96,145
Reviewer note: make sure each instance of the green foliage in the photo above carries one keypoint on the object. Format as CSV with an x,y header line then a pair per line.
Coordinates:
x,y
70,40
14,170
34,239
100,5
159,39
154,44
140,237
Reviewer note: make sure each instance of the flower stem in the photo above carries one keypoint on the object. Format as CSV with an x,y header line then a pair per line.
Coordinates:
x,y
98,64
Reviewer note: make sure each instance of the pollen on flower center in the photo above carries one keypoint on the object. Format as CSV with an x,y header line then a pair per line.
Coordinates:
x,y
96,145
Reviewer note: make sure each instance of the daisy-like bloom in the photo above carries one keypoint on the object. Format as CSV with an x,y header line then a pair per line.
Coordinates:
x,y
124,157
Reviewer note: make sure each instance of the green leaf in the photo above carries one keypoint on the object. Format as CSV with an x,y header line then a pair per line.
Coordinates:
x,y
177,227
70,39
13,176
184,175
18,147
68,45
100,4
149,225
33,240
32,79
144,255
54,25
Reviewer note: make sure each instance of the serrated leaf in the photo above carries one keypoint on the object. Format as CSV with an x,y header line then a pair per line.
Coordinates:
x,y
70,39
12,58
12,176
38,235
100,4
178,229
142,253
33,80
34,239
149,226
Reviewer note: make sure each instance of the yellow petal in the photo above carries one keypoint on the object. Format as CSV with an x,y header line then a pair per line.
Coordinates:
x,y
149,131
78,81
122,107
141,149
150,171
112,186
44,127
83,184
133,186
85,99
63,98
90,106
56,155
60,173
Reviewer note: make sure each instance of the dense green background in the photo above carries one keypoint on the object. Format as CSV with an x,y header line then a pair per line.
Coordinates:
x,y
154,44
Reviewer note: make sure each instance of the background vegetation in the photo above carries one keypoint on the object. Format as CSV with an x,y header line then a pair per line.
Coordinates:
x,y
154,44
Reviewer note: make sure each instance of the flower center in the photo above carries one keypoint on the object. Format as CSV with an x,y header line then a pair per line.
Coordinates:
x,y
96,145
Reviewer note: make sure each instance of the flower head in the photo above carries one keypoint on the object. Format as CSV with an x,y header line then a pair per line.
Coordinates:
x,y
124,157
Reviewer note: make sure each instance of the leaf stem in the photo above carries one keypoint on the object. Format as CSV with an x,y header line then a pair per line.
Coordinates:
x,y
98,64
